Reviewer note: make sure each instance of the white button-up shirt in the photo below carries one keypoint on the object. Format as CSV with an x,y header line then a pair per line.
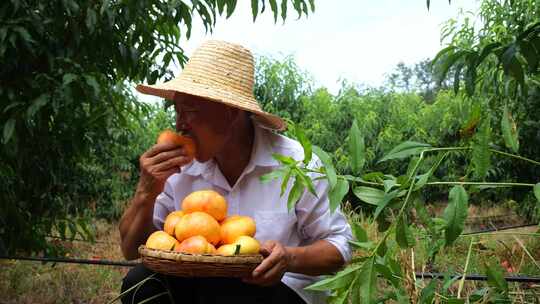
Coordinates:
x,y
310,220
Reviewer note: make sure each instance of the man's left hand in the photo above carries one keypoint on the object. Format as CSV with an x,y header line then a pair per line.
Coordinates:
x,y
272,268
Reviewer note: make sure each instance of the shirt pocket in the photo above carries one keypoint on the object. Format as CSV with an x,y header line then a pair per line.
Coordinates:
x,y
274,225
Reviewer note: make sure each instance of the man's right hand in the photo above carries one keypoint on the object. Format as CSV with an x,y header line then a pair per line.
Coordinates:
x,y
157,164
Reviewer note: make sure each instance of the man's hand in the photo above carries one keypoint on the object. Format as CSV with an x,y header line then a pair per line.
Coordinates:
x,y
272,268
157,164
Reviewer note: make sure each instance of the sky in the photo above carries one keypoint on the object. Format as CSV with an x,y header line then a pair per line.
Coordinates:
x,y
356,40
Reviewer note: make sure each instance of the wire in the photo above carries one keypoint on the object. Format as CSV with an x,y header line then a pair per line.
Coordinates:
x,y
79,240
73,261
499,228
476,277
420,275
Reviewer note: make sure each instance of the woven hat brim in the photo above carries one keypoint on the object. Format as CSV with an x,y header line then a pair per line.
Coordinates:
x,y
168,89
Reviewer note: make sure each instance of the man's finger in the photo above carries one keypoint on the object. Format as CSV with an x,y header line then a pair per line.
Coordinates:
x,y
165,155
267,247
266,264
172,163
158,148
272,275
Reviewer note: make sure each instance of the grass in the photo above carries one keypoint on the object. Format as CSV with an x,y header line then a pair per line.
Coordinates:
x,y
520,248
34,282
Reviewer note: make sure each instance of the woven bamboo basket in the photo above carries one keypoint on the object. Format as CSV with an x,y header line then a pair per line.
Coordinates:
x,y
198,265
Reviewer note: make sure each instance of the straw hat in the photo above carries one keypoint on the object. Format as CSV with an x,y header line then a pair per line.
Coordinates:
x,y
221,72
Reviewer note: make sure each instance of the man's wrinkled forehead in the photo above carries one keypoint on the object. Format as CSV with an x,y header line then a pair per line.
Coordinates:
x,y
181,100
186,101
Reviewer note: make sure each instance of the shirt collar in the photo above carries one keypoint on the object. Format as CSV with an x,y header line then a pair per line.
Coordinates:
x,y
196,168
261,154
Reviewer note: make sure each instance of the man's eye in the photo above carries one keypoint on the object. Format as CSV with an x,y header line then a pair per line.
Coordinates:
x,y
189,111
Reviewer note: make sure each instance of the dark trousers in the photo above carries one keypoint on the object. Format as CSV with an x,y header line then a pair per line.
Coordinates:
x,y
201,290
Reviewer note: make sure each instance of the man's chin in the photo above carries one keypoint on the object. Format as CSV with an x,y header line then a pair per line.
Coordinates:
x,y
201,158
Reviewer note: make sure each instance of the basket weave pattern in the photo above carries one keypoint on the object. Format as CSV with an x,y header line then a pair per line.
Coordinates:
x,y
198,265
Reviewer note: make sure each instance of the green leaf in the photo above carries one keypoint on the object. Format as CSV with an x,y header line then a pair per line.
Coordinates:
x,y
69,78
231,5
306,181
37,104
393,264
488,49
455,213
449,60
479,295
337,194
9,129
312,5
387,198
509,131
495,278
92,82
368,275
457,76
23,33
381,251
389,184
470,76
441,54
363,245
536,191
295,194
511,64
11,106
91,20
405,149
283,9
273,7
341,296
371,177
481,156
284,160
279,173
356,148
529,52
221,6
372,196
285,181
449,281
386,273
254,8
104,7
306,144
404,236
428,293
359,233
62,229
328,166
340,280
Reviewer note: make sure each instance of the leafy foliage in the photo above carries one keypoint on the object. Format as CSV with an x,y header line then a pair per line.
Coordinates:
x,y
455,213
448,141
68,115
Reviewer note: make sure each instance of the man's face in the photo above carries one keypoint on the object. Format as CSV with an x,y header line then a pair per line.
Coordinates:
x,y
208,123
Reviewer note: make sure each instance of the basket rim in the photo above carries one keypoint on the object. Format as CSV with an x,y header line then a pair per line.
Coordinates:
x,y
202,258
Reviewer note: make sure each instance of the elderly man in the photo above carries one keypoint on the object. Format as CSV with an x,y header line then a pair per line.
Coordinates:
x,y
215,106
